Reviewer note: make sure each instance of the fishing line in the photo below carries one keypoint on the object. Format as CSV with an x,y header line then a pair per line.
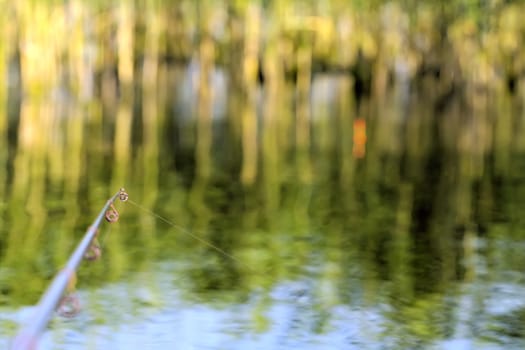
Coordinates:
x,y
189,233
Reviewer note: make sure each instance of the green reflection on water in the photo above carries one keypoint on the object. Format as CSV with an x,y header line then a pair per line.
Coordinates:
x,y
431,205
405,226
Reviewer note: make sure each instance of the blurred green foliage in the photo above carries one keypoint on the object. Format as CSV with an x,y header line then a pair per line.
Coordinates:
x,y
267,166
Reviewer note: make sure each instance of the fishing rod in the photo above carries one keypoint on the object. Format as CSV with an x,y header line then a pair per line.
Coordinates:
x,y
27,337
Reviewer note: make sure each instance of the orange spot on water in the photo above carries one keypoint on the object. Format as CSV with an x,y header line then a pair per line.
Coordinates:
x,y
359,145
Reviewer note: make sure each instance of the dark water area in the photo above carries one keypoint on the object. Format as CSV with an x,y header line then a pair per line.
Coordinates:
x,y
352,177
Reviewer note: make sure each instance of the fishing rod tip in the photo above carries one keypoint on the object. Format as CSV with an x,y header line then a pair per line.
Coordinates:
x,y
123,195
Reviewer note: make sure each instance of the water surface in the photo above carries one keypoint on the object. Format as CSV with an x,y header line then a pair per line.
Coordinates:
x,y
332,220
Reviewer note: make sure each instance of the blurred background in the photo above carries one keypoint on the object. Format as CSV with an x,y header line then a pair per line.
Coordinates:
x,y
364,162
